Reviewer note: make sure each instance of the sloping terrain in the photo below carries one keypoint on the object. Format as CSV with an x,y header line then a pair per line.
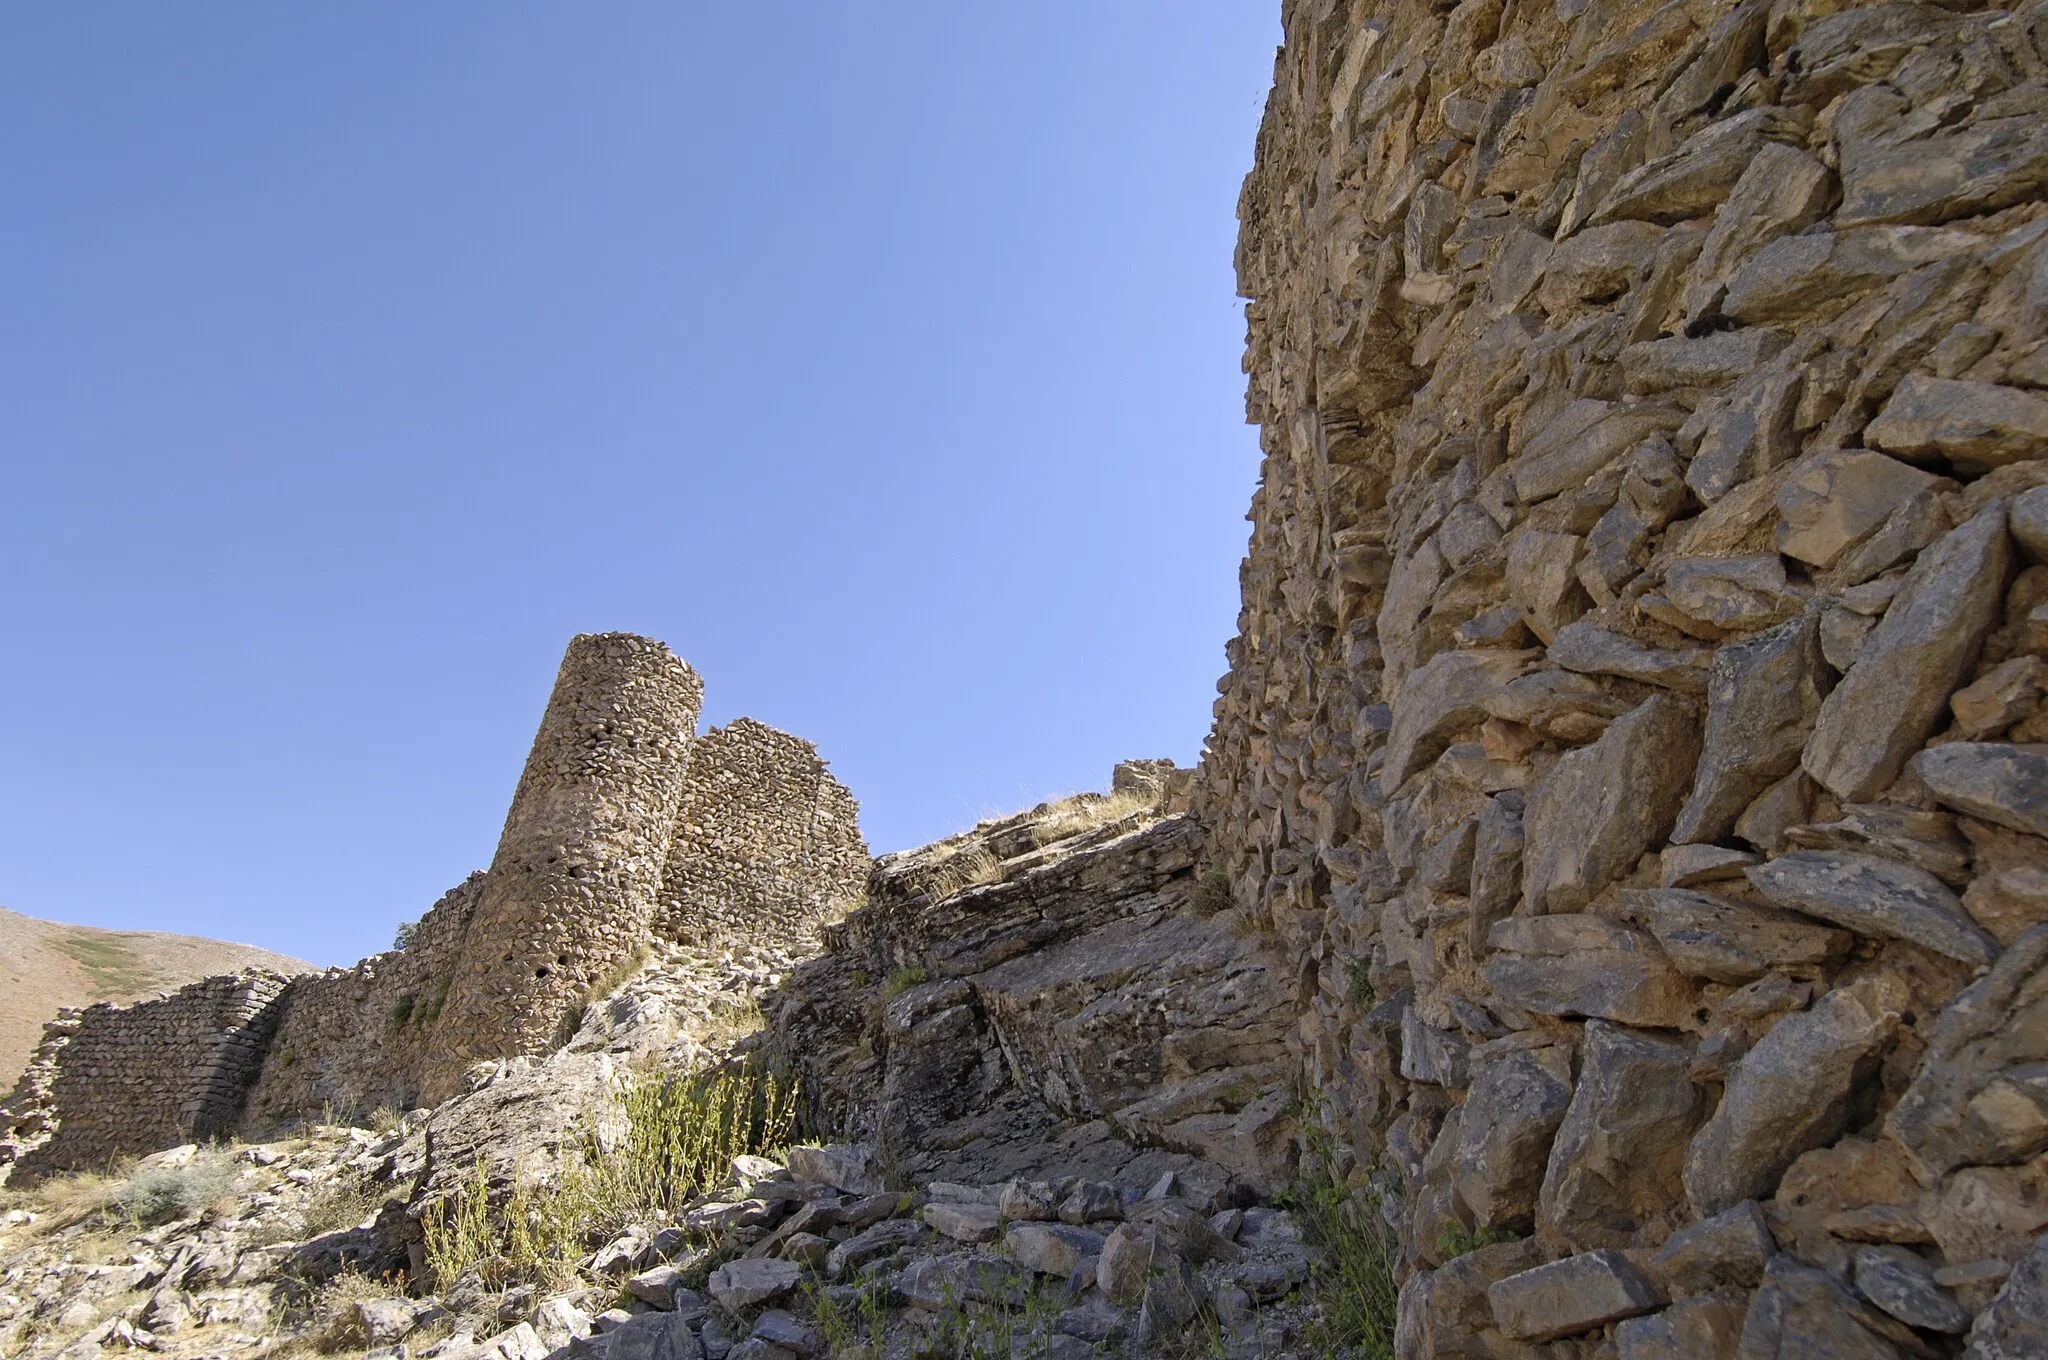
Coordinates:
x,y
46,965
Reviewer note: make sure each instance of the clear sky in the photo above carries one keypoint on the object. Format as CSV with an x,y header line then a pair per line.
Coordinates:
x,y
882,358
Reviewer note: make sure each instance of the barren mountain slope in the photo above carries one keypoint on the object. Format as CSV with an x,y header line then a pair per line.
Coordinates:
x,y
45,965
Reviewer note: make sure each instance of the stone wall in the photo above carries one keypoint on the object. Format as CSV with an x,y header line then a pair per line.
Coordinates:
x,y
367,1037
767,842
137,1078
1632,728
571,892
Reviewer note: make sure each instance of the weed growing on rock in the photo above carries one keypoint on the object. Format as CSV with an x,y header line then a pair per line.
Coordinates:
x,y
1454,1239
1353,1284
901,981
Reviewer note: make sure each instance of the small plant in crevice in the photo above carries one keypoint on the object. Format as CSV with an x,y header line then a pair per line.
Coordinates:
x,y
1454,1239
1211,891
902,980
1353,1284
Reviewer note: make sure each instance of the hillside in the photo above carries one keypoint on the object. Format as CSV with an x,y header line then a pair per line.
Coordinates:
x,y
45,965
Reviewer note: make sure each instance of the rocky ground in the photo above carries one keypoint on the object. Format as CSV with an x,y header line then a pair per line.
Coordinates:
x,y
808,1256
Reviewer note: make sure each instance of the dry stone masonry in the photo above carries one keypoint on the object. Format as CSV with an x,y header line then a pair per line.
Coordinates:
x,y
587,883
1620,855
150,1075
569,898
1634,730
767,843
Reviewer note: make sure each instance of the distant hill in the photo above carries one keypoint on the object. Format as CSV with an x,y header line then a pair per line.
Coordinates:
x,y
45,965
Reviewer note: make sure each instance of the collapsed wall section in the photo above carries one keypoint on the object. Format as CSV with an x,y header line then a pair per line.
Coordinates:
x,y
1633,728
569,897
767,843
137,1078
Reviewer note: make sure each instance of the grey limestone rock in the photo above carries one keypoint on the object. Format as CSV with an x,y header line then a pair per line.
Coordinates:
x,y
1999,782
1614,1171
745,1283
1602,806
1790,1093
851,1167
1874,895
1763,695
1513,1109
1733,942
1575,1294
1803,1311
1051,1248
2028,518
1901,1282
1590,648
2015,1326
1981,1094
1726,1250
1899,687
1976,423
1708,1328
1578,964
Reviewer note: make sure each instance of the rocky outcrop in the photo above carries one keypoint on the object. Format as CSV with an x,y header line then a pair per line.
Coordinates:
x,y
1632,733
1073,970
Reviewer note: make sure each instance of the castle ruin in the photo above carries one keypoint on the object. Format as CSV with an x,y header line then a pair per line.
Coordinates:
x,y
626,828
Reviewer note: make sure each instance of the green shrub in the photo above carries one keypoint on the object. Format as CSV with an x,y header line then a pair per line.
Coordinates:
x,y
159,1194
678,1138
901,981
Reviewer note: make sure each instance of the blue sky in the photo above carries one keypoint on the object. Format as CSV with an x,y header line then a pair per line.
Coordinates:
x,y
880,358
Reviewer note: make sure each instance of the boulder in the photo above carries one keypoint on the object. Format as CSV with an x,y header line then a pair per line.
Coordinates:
x,y
1791,1092
651,1336
1602,806
851,1167
1126,1261
1999,782
1441,698
1589,966
1591,649
1802,1311
881,1240
2028,517
1726,1251
1763,696
1051,1248
1874,895
742,1284
963,1222
1614,1174
1573,1295
1912,661
1901,1282
1708,1328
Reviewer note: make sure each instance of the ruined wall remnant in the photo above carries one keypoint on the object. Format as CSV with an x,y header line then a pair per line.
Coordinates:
x,y
570,894
1633,724
137,1078
365,1038
767,842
